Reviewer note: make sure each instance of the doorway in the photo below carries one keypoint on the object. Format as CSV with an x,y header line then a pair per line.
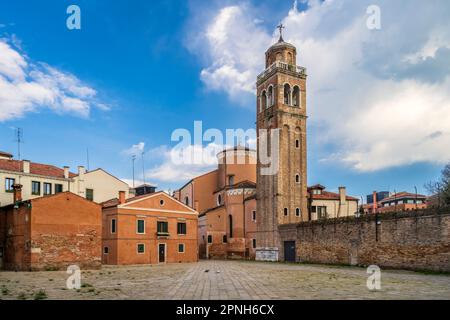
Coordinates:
x,y
162,253
1,258
289,251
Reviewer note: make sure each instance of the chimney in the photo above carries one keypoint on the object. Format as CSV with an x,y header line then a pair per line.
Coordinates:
x,y
26,166
375,202
81,171
17,192
66,172
121,197
342,195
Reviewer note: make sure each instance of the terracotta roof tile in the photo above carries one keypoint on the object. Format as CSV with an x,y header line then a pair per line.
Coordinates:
x,y
326,195
35,168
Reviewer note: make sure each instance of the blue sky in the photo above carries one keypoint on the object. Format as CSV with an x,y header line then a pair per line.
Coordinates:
x,y
141,69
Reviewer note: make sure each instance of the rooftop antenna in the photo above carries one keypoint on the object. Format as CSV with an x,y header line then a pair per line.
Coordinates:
x,y
143,168
133,159
87,158
19,140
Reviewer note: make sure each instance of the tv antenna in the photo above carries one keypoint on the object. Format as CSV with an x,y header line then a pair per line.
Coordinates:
x,y
143,168
133,159
19,140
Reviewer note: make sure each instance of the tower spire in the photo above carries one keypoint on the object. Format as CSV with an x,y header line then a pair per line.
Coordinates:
x,y
281,27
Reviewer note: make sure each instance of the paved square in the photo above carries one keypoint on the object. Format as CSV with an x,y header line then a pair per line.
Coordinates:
x,y
225,280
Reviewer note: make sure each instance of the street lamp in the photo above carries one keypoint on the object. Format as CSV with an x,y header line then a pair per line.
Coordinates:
x,y
416,196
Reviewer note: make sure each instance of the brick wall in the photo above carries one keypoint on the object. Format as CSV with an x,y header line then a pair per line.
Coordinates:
x,y
413,240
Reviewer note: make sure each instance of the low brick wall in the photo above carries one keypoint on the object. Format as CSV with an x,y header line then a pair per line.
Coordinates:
x,y
412,240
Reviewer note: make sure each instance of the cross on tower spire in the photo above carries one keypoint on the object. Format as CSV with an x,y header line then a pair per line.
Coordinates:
x,y
281,27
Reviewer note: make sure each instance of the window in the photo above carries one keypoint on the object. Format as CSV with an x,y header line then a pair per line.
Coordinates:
x,y
254,243
263,101
287,94
90,194
297,143
231,180
230,220
9,182
58,188
210,238
297,178
162,227
140,248
181,247
321,212
113,225
297,212
219,199
224,238
105,250
181,227
254,215
270,96
186,200
35,188
140,226
296,97
47,188
161,202
317,191
286,211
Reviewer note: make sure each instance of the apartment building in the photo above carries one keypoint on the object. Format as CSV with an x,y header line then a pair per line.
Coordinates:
x,y
149,229
327,205
42,179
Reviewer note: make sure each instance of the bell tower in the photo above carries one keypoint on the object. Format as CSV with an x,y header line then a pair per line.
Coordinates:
x,y
281,105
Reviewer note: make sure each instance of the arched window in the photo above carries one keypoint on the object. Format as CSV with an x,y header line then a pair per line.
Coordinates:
x,y
186,201
219,200
290,60
263,102
287,94
297,178
286,211
296,97
297,212
270,97
230,218
297,143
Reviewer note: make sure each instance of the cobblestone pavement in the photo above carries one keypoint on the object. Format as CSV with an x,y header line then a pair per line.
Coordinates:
x,y
225,280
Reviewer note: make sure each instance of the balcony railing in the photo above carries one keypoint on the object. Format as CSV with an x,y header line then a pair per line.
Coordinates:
x,y
281,66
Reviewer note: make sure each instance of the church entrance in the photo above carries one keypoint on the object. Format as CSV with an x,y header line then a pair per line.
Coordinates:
x,y
289,251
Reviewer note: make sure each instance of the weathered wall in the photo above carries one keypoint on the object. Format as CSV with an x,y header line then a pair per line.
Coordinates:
x,y
413,240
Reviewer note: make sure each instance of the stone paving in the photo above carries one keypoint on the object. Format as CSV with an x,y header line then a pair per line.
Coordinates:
x,y
225,280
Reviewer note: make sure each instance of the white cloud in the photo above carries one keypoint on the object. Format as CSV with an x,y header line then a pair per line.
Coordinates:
x,y
180,165
27,86
380,97
135,149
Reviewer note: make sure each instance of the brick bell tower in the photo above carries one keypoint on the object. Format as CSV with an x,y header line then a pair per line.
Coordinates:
x,y
281,104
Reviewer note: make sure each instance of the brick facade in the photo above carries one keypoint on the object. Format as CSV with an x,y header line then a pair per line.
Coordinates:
x,y
50,233
413,240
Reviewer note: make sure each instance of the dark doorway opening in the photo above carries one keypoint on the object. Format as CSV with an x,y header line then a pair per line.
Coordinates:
x,y
289,251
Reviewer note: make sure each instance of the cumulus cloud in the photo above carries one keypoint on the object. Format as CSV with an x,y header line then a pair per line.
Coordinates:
x,y
183,164
378,97
135,149
28,86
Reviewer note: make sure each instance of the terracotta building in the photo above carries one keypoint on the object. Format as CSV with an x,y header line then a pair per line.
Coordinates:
x,y
149,229
225,200
396,202
50,232
281,105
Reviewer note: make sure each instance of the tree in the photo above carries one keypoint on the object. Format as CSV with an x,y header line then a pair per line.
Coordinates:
x,y
441,189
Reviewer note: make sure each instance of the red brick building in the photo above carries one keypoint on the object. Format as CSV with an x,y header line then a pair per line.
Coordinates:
x,y
149,229
50,232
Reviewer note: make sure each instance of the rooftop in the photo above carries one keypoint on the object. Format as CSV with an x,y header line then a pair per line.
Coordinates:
x,y
35,168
